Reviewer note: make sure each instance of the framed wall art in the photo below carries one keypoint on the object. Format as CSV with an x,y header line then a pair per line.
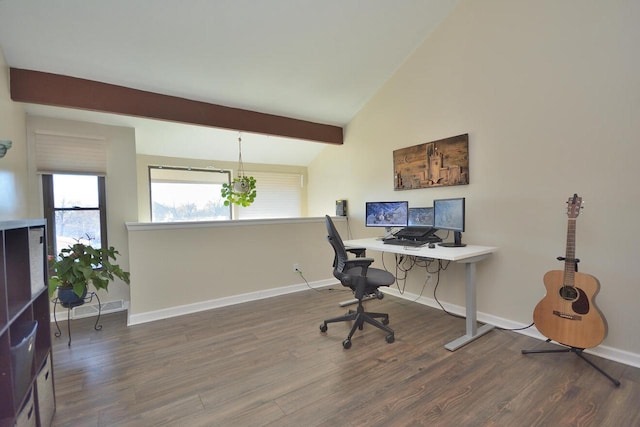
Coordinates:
x,y
432,164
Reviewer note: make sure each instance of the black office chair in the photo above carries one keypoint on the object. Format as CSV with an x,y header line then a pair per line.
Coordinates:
x,y
356,274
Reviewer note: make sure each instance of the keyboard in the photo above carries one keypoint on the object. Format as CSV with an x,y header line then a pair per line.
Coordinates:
x,y
404,242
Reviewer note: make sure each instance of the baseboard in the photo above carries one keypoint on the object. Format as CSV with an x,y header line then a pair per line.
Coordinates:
x,y
92,310
604,351
135,319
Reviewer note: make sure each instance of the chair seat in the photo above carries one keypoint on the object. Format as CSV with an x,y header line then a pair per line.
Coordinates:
x,y
375,276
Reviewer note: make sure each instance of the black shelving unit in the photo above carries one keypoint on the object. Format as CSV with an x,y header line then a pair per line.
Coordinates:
x,y
26,375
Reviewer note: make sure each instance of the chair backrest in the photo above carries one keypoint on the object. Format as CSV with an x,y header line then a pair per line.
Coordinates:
x,y
338,248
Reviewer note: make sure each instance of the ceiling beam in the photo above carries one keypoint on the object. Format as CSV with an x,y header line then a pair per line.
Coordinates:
x,y
36,87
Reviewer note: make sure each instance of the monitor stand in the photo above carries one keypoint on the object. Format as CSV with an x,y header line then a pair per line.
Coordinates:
x,y
457,241
389,233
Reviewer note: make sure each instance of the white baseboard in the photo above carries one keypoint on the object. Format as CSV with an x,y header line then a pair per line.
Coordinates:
x,y
135,319
603,351
92,310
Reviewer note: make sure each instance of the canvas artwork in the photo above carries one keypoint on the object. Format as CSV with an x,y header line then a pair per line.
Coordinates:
x,y
432,164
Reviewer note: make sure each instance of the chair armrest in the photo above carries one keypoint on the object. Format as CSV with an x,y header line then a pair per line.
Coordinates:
x,y
357,251
359,262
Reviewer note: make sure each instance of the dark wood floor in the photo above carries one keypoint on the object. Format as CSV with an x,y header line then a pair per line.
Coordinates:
x,y
266,363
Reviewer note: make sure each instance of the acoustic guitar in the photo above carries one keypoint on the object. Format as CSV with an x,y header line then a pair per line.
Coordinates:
x,y
568,314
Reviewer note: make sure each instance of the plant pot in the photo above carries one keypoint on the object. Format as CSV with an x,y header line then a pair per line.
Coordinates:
x,y
241,186
68,298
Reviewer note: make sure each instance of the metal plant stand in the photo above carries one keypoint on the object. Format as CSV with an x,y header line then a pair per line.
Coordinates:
x,y
88,298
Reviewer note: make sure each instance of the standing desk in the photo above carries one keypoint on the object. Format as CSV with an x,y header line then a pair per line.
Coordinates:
x,y
468,255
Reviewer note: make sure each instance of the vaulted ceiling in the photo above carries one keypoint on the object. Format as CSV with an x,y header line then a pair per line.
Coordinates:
x,y
314,61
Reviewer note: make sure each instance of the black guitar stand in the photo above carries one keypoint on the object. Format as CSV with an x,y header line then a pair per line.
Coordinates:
x,y
574,260
578,352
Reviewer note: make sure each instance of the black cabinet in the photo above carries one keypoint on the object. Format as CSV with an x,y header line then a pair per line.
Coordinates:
x,y
25,337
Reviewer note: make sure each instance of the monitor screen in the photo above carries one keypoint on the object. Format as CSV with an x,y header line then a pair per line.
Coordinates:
x,y
420,217
386,214
448,214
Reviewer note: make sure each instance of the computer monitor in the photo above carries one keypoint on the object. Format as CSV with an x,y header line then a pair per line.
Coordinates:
x,y
386,214
420,217
448,214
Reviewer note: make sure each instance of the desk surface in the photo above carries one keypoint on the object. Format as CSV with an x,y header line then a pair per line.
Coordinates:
x,y
439,252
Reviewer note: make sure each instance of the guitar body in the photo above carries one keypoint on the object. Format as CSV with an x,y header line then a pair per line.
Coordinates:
x,y
568,314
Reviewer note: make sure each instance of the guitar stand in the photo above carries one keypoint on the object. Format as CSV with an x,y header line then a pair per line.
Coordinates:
x,y
578,352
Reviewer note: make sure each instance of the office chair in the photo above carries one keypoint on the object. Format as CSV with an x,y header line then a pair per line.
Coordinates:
x,y
356,274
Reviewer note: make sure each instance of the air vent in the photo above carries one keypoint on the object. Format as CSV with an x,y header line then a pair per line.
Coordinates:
x,y
88,310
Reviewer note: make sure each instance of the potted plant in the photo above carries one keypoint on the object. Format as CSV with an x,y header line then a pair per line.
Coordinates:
x,y
78,266
241,191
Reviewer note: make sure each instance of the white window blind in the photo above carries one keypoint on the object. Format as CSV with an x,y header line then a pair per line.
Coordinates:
x,y
70,154
279,195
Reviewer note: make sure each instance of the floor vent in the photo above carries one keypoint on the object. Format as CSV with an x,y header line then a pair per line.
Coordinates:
x,y
88,310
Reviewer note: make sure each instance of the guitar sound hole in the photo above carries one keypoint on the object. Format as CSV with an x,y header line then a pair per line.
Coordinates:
x,y
568,293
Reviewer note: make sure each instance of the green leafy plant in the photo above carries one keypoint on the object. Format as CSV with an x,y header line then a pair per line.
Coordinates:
x,y
241,191
80,265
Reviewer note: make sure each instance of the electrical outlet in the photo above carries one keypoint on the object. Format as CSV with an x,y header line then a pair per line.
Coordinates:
x,y
296,268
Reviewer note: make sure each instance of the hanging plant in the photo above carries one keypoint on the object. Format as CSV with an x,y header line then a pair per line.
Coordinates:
x,y
242,189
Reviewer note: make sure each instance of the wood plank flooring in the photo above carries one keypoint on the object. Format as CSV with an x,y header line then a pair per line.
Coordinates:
x,y
265,363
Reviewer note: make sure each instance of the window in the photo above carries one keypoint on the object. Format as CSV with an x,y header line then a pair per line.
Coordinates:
x,y
179,194
188,194
75,209
279,196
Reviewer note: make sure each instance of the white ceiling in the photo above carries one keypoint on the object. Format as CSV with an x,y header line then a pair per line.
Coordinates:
x,y
310,60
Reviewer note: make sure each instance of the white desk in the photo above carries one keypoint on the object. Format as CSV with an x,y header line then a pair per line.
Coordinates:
x,y
468,255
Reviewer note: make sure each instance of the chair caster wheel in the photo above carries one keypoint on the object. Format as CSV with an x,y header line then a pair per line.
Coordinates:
x,y
390,338
385,320
346,344
323,327
379,295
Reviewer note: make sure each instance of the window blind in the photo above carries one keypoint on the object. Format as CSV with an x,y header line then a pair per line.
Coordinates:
x,y
70,154
279,195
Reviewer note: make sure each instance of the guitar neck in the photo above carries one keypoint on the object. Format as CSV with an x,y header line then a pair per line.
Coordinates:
x,y
570,254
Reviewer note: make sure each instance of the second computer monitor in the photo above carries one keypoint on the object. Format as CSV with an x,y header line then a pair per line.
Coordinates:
x,y
421,217
448,214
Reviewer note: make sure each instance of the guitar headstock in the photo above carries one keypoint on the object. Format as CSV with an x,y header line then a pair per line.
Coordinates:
x,y
574,204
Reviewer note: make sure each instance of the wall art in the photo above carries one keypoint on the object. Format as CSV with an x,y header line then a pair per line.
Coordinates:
x,y
433,164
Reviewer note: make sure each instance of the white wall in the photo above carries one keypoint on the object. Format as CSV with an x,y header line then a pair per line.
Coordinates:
x,y
120,183
549,93
13,167
179,268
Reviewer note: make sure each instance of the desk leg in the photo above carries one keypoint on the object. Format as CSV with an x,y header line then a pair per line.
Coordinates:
x,y
472,330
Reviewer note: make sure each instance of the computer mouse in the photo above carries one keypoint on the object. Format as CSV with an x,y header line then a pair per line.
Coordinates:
x,y
432,245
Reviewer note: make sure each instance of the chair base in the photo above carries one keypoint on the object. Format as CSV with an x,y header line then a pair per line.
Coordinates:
x,y
359,318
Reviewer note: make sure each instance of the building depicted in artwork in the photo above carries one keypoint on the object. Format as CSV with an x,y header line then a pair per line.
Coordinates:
x,y
439,174
436,170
